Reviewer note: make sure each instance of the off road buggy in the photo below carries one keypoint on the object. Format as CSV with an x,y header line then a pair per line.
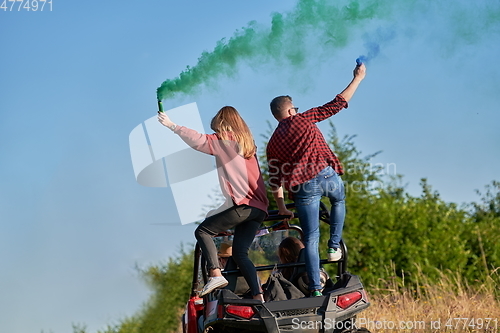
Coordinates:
x,y
230,310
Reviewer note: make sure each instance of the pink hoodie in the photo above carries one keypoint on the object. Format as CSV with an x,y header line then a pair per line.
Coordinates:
x,y
240,179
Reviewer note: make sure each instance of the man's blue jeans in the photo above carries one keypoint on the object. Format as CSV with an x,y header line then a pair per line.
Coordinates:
x,y
307,198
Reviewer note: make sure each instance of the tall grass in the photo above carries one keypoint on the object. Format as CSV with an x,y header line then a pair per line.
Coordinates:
x,y
449,305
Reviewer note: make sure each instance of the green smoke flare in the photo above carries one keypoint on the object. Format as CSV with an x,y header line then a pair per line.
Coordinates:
x,y
331,23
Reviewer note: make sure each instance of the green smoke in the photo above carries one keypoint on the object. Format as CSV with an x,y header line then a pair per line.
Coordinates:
x,y
333,24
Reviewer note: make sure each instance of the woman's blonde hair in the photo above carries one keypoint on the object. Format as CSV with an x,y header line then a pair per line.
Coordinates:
x,y
229,120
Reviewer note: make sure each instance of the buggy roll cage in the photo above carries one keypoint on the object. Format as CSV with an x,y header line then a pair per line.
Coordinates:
x,y
282,224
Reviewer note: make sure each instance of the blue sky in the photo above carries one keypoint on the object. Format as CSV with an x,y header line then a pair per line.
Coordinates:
x,y
76,80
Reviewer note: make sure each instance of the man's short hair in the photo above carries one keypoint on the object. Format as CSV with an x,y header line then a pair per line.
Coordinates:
x,y
277,105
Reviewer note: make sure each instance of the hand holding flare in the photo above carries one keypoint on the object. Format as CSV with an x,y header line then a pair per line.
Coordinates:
x,y
165,120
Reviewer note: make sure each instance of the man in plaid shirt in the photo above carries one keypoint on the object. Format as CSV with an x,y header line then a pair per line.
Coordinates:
x,y
300,160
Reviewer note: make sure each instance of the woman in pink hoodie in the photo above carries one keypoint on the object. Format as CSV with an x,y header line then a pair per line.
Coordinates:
x,y
241,183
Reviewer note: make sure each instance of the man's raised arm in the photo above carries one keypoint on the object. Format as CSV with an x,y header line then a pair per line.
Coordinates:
x,y
359,74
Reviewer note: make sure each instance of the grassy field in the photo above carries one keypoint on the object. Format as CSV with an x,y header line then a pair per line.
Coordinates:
x,y
448,306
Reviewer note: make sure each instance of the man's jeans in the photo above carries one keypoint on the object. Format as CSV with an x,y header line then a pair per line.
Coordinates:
x,y
307,198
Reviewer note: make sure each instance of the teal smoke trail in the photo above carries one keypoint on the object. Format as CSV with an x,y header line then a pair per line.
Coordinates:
x,y
334,25
253,43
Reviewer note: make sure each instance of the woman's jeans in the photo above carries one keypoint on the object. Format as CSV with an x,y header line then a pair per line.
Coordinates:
x,y
307,198
246,221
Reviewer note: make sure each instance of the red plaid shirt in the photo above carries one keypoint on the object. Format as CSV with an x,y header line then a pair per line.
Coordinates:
x,y
297,150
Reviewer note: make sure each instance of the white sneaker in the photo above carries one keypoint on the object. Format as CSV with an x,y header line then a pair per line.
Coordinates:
x,y
334,254
214,283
